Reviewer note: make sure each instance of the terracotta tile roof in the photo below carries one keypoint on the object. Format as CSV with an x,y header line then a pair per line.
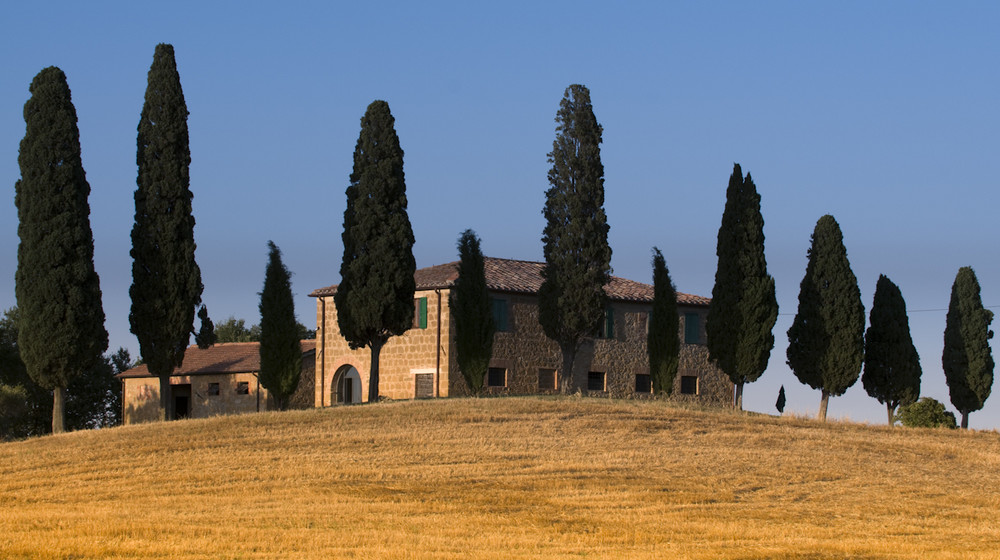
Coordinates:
x,y
229,357
525,277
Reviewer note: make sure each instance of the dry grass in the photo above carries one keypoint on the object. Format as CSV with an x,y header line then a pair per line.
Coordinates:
x,y
502,478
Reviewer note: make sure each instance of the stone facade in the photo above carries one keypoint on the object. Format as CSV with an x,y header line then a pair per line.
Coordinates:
x,y
211,382
422,361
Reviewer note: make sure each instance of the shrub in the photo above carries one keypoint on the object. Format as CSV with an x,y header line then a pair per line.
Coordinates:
x,y
925,413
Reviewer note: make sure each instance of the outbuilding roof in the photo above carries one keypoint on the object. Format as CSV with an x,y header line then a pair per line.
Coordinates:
x,y
227,357
525,277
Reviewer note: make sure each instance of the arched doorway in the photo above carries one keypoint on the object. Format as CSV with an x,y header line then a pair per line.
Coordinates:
x,y
346,386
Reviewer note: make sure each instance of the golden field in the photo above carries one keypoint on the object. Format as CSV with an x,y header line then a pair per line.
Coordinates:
x,y
502,478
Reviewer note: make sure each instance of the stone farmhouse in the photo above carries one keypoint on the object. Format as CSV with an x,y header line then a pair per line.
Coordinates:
x,y
422,363
218,380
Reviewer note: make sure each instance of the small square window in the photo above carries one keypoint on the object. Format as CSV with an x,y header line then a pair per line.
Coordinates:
x,y
595,381
689,385
496,377
546,379
243,388
642,383
213,389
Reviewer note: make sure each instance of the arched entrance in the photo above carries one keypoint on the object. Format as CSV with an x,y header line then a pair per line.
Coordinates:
x,y
346,386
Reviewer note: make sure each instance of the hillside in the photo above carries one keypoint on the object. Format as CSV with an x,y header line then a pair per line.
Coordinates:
x,y
502,478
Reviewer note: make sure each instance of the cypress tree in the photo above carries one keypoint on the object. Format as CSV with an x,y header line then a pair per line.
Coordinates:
x,y
780,403
577,255
967,359
61,332
166,281
826,341
205,337
743,310
280,348
662,340
375,297
892,365
471,312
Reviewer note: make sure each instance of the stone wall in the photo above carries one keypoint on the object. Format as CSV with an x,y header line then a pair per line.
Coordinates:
x,y
403,357
142,396
521,351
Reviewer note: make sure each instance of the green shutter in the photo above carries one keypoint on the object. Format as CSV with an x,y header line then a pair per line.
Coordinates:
x,y
422,313
609,323
499,314
692,328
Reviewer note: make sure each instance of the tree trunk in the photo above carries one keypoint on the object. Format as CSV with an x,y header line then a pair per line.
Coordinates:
x,y
824,401
373,373
965,420
566,384
890,409
166,403
738,397
58,410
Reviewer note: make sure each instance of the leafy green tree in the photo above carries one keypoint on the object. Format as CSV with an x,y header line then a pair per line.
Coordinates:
x,y
62,332
662,340
826,342
575,240
967,359
892,365
925,413
375,297
743,310
472,314
93,399
166,281
280,349
235,330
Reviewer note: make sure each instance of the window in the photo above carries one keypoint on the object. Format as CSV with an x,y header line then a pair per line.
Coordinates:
x,y
496,377
546,379
692,328
213,389
642,383
420,313
595,381
689,384
243,388
500,314
424,385
607,328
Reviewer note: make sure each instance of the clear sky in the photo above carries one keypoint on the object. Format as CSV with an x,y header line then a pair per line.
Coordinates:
x,y
883,114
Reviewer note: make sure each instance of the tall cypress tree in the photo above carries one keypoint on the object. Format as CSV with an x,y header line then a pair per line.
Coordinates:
x,y
892,365
375,297
58,291
744,308
472,314
826,342
280,348
166,281
967,359
577,254
663,341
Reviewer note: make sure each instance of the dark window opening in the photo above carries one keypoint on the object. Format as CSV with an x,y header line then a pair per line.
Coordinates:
x,y
689,385
595,381
243,388
424,385
546,379
500,314
692,328
643,383
213,389
496,377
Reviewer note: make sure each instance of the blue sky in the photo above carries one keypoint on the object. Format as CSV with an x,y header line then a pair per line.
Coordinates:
x,y
883,114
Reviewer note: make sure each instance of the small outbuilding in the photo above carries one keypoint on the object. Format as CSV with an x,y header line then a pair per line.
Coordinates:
x,y
218,380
